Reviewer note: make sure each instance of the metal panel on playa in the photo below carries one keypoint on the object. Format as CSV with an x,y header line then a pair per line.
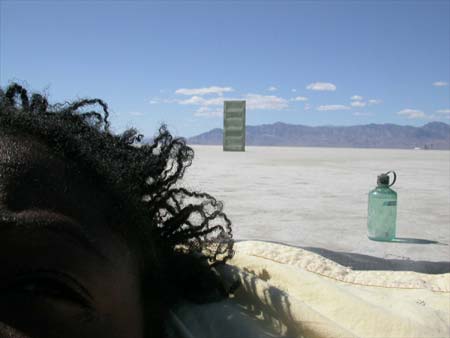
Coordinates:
x,y
234,126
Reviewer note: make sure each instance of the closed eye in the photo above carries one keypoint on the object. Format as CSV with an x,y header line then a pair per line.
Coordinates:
x,y
49,284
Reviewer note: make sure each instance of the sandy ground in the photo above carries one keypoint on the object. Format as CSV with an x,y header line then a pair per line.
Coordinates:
x,y
317,197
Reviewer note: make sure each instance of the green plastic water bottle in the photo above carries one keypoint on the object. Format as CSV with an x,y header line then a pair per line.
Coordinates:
x,y
382,213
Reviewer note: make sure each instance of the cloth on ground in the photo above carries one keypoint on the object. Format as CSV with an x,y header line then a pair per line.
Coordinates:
x,y
291,292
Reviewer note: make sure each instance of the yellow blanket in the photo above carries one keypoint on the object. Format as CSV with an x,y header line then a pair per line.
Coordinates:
x,y
298,293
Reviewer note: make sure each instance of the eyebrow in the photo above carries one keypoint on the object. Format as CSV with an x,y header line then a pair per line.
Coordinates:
x,y
47,221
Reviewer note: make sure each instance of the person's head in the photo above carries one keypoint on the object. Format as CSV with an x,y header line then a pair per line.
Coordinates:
x,y
97,239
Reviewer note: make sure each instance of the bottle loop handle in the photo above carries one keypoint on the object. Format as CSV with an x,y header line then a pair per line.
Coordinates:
x,y
395,177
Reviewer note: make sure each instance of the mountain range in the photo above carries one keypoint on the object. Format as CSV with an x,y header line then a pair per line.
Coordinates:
x,y
433,135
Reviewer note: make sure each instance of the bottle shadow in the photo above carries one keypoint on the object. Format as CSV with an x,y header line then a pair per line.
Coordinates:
x,y
416,241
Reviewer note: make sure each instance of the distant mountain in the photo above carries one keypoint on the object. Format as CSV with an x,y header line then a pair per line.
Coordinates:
x,y
434,135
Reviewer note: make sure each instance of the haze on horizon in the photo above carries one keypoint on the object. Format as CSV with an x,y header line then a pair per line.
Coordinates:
x,y
340,63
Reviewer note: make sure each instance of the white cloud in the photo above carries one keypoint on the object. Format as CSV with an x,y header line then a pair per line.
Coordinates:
x,y
216,113
193,100
440,84
200,101
443,111
299,98
253,101
156,100
307,106
293,90
358,104
374,101
412,113
204,91
272,89
356,98
321,86
333,107
205,112
256,101
362,114
202,110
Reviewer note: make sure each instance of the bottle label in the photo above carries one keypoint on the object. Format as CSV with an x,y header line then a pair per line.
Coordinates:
x,y
390,203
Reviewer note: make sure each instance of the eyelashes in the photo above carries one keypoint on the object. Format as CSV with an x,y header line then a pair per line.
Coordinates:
x,y
50,284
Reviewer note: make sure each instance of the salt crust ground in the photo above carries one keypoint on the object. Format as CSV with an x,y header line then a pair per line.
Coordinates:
x,y
317,197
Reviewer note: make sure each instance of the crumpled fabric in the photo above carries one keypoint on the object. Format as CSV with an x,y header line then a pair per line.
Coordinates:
x,y
291,292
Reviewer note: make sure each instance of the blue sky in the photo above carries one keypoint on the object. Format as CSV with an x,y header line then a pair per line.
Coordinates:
x,y
312,63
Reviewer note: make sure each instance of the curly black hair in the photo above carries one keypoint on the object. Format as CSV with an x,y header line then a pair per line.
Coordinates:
x,y
179,235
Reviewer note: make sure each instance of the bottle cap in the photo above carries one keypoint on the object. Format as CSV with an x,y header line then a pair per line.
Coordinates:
x,y
383,179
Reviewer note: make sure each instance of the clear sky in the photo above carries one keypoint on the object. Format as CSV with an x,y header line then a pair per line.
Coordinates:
x,y
312,63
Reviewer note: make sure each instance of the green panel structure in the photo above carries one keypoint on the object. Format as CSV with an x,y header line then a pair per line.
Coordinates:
x,y
234,126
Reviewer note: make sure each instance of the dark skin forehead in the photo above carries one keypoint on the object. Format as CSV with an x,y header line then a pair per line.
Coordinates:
x,y
34,177
55,221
